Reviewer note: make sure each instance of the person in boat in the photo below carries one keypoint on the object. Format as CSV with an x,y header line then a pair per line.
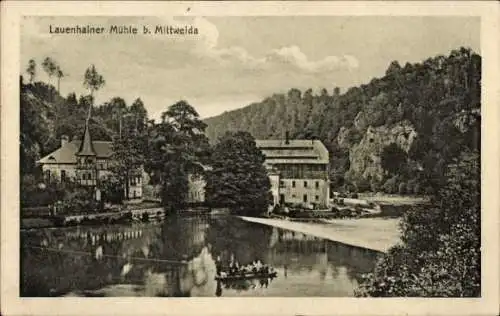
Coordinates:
x,y
232,268
259,264
248,268
218,266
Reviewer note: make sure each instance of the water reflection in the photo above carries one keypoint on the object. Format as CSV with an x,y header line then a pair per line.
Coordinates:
x,y
176,258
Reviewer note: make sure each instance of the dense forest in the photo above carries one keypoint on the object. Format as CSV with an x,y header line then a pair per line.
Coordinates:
x,y
46,116
395,134
169,150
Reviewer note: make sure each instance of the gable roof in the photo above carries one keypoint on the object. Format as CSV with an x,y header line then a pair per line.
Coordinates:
x,y
67,153
277,151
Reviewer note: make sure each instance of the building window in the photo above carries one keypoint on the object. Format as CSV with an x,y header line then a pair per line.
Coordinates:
x,y
63,175
293,184
47,175
305,184
317,184
293,195
305,198
317,197
282,184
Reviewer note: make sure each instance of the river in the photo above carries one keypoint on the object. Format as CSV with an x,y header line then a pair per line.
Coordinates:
x,y
176,258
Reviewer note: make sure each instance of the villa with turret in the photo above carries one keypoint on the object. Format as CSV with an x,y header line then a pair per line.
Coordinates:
x,y
86,162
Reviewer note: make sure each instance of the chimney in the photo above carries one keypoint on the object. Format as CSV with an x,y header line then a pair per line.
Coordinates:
x,y
64,140
287,137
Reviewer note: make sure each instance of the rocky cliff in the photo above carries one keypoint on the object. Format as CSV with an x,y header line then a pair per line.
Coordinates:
x,y
365,157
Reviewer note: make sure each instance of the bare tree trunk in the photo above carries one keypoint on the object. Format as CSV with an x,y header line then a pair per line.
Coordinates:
x,y
127,188
90,105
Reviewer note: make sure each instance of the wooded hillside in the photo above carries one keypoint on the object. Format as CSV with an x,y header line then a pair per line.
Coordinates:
x,y
395,133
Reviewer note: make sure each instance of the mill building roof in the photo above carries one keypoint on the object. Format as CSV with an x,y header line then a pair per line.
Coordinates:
x,y
294,151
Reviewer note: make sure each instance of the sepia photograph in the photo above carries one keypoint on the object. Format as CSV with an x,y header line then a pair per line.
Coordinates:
x,y
282,156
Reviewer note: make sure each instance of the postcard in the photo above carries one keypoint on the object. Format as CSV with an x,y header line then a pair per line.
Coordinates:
x,y
250,158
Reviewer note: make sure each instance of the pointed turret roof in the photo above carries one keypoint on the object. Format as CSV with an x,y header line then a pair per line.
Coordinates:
x,y
86,146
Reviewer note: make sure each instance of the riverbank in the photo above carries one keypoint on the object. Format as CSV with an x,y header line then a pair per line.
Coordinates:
x,y
105,218
371,233
394,199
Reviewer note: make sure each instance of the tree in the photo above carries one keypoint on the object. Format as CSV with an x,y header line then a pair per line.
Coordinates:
x,y
31,69
128,157
184,118
139,114
93,81
49,66
178,148
59,74
336,91
393,68
440,254
130,143
238,178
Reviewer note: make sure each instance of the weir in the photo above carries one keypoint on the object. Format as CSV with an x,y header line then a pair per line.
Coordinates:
x,y
357,233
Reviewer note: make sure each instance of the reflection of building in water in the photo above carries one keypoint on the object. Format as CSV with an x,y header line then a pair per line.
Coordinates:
x,y
171,256
87,257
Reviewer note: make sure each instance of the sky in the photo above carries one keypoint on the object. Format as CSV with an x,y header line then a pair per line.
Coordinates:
x,y
234,61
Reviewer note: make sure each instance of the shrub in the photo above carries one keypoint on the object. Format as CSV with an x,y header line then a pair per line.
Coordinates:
x,y
33,193
416,189
440,253
374,185
410,186
390,186
402,188
362,185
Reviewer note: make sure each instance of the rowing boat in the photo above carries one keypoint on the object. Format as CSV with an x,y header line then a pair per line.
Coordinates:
x,y
248,275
